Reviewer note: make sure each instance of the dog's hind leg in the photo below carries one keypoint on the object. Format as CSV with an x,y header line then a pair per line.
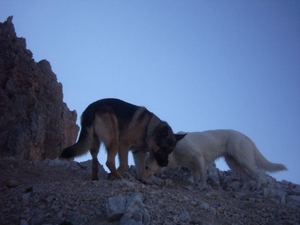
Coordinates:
x,y
235,166
251,168
244,169
106,130
94,152
247,161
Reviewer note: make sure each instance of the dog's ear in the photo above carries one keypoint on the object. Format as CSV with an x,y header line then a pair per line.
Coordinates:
x,y
178,137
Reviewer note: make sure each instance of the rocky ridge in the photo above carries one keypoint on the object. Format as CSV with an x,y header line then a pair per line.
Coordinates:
x,y
62,192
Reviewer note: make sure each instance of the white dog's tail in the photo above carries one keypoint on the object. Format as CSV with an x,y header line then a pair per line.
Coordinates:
x,y
266,165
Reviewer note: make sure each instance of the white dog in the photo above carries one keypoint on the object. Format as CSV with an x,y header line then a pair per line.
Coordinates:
x,y
197,149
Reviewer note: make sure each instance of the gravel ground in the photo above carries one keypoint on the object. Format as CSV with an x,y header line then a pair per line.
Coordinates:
x,y
62,192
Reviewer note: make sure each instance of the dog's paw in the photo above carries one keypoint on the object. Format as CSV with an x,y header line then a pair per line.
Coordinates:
x,y
251,185
157,181
201,186
168,182
112,177
95,178
146,180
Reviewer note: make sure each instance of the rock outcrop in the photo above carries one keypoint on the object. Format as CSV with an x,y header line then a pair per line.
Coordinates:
x,y
35,123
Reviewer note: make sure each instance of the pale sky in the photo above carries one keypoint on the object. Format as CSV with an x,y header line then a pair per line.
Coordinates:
x,y
198,65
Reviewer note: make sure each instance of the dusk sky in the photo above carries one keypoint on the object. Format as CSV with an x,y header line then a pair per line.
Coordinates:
x,y
198,65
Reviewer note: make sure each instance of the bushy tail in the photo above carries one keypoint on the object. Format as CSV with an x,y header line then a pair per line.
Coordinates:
x,y
82,146
266,165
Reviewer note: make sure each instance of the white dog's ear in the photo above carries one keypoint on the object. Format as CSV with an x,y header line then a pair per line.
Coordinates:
x,y
179,136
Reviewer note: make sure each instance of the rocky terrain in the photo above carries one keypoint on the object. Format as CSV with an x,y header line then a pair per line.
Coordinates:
x,y
35,123
62,192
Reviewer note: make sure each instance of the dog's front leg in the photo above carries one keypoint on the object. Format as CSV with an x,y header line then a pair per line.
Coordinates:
x,y
112,151
139,157
201,168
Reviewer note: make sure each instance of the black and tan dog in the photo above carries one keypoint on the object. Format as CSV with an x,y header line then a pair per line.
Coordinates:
x,y
121,127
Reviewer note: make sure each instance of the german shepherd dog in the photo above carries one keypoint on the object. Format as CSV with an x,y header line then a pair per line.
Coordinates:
x,y
121,127
198,149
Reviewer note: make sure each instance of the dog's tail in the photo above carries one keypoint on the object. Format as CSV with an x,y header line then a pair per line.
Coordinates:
x,y
85,139
82,146
266,165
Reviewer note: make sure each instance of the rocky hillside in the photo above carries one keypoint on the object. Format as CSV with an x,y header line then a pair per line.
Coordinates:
x,y
35,123
62,192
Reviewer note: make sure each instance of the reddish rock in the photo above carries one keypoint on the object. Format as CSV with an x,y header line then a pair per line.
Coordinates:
x,y
35,123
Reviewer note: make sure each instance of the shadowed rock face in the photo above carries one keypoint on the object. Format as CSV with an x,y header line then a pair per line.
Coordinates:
x,y
35,123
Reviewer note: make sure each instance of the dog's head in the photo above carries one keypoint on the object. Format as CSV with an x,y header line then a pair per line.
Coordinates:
x,y
163,142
